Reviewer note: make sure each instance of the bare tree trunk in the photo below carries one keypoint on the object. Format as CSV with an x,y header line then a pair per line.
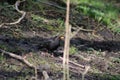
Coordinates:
x,y
67,43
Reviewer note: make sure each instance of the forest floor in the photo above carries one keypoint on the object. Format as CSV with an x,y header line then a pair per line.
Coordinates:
x,y
95,46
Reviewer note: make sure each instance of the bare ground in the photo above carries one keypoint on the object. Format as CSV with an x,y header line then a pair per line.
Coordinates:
x,y
101,46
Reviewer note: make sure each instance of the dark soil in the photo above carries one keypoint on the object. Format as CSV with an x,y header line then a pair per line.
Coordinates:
x,y
23,39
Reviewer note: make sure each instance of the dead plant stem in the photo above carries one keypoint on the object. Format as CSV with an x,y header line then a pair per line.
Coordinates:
x,y
67,43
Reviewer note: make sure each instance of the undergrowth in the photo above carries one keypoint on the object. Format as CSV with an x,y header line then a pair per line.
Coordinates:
x,y
102,11
48,24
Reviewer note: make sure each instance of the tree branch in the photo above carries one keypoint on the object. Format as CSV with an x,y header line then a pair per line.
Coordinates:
x,y
22,12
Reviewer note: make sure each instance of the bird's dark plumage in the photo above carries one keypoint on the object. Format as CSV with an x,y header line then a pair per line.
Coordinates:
x,y
52,44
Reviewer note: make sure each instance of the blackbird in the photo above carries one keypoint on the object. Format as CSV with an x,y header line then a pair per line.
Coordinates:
x,y
51,44
55,42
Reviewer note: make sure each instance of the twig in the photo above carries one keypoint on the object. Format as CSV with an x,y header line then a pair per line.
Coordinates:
x,y
17,57
74,63
21,59
82,57
73,34
81,29
76,69
46,77
22,12
86,70
79,68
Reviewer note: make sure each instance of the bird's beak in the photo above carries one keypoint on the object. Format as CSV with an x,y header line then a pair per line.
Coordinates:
x,y
62,38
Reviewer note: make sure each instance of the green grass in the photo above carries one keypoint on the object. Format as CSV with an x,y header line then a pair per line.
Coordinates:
x,y
102,11
73,50
2,58
56,25
116,60
111,77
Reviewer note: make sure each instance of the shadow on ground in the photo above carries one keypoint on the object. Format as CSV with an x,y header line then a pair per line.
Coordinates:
x,y
98,76
26,45
5,75
14,75
110,46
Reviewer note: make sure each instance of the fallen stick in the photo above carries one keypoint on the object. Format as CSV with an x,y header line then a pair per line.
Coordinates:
x,y
21,59
46,76
17,57
74,63
22,12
